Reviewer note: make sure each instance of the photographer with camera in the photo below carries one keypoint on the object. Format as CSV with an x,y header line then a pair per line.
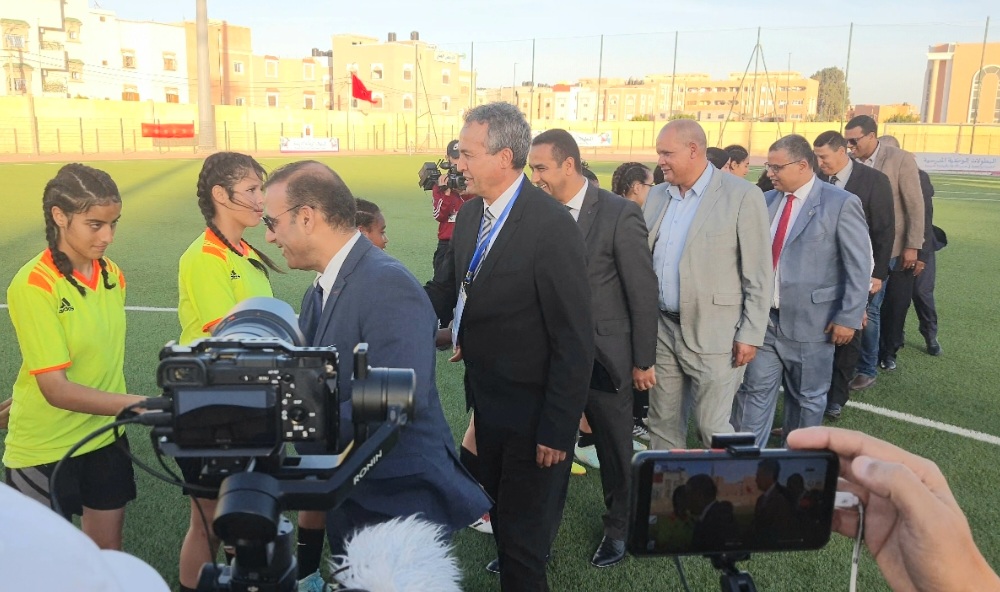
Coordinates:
x,y
448,196
360,295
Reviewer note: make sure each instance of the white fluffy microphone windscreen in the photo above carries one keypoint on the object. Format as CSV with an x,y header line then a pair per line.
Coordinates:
x,y
402,555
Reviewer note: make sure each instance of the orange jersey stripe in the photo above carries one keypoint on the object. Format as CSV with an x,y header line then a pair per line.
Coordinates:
x,y
50,369
38,280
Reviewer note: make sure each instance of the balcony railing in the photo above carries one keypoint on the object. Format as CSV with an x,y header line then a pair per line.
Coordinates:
x,y
53,46
57,86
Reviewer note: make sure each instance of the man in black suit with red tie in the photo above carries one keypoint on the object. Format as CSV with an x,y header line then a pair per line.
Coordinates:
x,y
875,192
516,275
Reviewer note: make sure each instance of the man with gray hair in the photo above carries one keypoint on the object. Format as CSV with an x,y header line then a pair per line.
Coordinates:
x,y
516,275
822,270
708,234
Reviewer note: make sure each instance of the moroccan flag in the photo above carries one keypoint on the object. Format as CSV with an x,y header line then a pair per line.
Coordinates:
x,y
358,90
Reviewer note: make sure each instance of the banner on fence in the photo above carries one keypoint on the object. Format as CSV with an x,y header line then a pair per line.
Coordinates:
x,y
168,130
585,140
978,164
310,144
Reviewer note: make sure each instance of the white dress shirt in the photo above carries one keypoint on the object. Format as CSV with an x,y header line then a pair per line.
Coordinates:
x,y
870,161
844,174
329,275
801,195
574,205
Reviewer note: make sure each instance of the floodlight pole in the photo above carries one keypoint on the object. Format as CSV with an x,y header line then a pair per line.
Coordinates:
x,y
206,111
847,72
979,75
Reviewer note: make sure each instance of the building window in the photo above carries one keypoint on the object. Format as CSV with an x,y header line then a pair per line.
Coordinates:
x,y
271,68
354,103
13,41
308,102
407,102
173,96
77,76
445,104
128,60
272,99
18,84
237,67
240,101
407,72
169,62
130,93
377,100
376,71
797,102
73,35
75,68
446,76
308,72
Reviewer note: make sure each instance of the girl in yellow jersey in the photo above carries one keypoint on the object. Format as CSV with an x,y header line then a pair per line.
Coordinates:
x,y
217,271
68,309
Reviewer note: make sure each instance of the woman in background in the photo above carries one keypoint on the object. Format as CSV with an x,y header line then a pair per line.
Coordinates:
x,y
217,271
632,180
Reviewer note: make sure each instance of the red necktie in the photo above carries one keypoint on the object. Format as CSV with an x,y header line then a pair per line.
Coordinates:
x,y
779,235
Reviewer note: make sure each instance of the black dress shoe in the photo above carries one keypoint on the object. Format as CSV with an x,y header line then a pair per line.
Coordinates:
x,y
609,552
493,566
933,347
888,364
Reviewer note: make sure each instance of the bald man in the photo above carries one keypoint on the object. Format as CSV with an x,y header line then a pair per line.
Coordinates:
x,y
711,252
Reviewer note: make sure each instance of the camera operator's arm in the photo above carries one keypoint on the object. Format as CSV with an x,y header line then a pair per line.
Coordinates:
x,y
913,526
445,201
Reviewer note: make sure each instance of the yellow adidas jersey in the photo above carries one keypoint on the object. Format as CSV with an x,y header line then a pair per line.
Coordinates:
x,y
59,329
212,279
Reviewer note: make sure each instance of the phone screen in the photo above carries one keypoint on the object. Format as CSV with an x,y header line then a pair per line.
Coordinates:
x,y
708,502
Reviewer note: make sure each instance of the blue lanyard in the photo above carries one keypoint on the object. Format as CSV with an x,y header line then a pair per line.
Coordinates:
x,y
477,257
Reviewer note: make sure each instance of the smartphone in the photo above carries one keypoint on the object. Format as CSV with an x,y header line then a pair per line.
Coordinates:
x,y
706,502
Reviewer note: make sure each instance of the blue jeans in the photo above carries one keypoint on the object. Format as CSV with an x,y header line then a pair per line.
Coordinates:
x,y
868,360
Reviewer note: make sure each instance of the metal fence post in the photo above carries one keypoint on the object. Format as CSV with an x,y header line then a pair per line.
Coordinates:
x,y
121,132
82,151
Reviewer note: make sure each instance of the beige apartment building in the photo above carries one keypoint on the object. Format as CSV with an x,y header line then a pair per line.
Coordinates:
x,y
956,89
404,76
883,113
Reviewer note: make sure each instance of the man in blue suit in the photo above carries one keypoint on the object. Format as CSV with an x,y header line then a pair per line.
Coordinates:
x,y
822,260
360,295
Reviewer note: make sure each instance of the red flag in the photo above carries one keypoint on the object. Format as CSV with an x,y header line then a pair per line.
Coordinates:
x,y
358,90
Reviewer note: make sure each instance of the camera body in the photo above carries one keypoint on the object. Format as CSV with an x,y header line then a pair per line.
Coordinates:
x,y
430,173
249,395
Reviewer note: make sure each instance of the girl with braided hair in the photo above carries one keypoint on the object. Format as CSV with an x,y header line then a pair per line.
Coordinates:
x,y
68,309
218,270
632,180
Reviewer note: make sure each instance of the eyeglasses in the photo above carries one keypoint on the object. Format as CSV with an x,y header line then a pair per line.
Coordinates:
x,y
854,141
650,184
774,168
270,221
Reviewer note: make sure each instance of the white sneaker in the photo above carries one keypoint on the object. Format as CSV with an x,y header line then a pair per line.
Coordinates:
x,y
640,431
483,525
587,455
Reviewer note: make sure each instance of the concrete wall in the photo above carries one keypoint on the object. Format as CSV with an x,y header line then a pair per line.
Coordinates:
x,y
54,125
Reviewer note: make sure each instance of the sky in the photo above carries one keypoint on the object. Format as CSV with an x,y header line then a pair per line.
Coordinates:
x,y
888,46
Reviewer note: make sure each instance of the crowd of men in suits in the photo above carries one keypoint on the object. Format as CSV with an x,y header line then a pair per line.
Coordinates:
x,y
712,295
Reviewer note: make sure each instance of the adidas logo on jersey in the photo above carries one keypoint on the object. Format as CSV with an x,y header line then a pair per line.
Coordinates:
x,y
233,275
65,306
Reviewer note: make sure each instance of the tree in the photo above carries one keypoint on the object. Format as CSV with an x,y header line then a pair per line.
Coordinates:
x,y
681,116
903,118
833,97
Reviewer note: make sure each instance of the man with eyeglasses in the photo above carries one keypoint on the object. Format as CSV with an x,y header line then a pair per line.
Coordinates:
x,y
360,294
886,316
821,256
708,233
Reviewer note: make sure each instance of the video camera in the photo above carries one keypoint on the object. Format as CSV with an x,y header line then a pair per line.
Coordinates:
x,y
430,172
239,397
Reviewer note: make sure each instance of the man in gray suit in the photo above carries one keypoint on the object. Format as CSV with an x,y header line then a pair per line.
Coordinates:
x,y
623,288
823,260
361,294
708,233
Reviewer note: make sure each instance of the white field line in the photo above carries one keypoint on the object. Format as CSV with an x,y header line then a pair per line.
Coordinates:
x,y
928,423
136,308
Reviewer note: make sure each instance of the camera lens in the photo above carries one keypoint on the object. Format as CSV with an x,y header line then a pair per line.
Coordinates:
x,y
384,388
261,318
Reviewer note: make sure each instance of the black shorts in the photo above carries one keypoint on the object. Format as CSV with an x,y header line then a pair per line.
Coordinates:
x,y
102,479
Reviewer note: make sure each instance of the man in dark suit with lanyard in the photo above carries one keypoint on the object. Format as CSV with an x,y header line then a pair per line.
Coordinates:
x,y
516,276
623,287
